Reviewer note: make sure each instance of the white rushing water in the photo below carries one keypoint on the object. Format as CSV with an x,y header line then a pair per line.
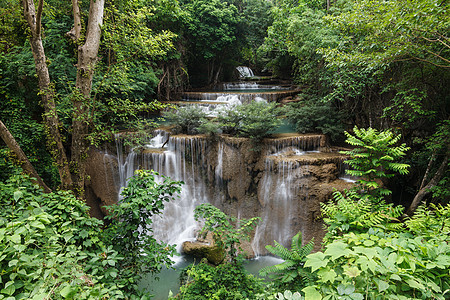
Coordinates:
x,y
245,71
176,224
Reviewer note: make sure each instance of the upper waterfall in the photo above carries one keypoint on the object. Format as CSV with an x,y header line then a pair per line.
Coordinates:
x,y
245,71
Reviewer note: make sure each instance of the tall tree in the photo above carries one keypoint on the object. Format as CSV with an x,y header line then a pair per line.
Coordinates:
x,y
87,58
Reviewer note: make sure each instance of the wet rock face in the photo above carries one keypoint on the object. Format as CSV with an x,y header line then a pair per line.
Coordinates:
x,y
205,248
102,187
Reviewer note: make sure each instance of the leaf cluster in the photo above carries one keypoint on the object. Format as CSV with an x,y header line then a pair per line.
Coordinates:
x,y
314,115
375,154
226,281
130,229
228,232
290,275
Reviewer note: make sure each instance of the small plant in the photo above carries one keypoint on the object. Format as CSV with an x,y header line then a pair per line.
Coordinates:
x,y
187,119
314,115
224,282
288,295
375,155
130,229
347,212
228,232
290,274
255,120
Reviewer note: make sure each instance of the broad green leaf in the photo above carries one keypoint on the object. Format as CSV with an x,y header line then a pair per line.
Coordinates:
x,y
352,272
327,275
414,284
17,195
316,260
311,293
68,291
337,249
345,289
382,285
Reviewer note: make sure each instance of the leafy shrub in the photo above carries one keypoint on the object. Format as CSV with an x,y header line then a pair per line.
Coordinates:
x,y
187,119
375,155
224,282
290,274
50,247
347,212
228,232
313,115
378,264
255,120
130,230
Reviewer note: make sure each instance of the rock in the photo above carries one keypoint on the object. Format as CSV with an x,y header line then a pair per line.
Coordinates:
x,y
205,248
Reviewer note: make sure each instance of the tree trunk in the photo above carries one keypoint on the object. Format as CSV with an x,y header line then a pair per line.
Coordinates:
x,y
24,162
87,59
47,93
75,32
425,190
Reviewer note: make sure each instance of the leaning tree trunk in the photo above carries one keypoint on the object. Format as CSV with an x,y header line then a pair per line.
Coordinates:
x,y
87,59
10,141
425,190
51,118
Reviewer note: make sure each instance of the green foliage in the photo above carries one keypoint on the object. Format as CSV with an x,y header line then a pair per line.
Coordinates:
x,y
224,282
130,231
350,212
373,264
228,232
255,120
288,295
50,247
187,119
374,156
432,220
313,115
290,274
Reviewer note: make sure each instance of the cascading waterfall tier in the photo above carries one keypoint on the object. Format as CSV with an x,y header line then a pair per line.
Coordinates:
x,y
282,184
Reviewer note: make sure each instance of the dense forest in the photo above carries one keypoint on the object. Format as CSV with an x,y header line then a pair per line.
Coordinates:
x,y
374,74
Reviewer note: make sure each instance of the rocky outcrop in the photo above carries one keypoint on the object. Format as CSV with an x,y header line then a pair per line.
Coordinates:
x,y
102,186
205,248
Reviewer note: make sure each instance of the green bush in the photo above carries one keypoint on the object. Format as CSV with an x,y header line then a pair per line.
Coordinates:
x,y
313,115
224,282
130,231
187,119
255,120
50,247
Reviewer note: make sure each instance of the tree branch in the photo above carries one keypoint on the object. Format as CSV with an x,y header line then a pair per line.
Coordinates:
x,y
75,32
27,167
38,17
424,191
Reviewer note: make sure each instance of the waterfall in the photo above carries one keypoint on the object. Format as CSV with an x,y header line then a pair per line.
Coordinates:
x,y
181,160
245,71
273,184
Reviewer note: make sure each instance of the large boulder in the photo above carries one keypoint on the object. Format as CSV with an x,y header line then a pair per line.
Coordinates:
x,y
205,248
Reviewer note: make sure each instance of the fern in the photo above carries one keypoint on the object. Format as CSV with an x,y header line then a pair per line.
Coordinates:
x,y
431,220
375,157
351,212
290,274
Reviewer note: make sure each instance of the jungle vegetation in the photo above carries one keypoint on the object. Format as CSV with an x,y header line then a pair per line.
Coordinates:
x,y
74,73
